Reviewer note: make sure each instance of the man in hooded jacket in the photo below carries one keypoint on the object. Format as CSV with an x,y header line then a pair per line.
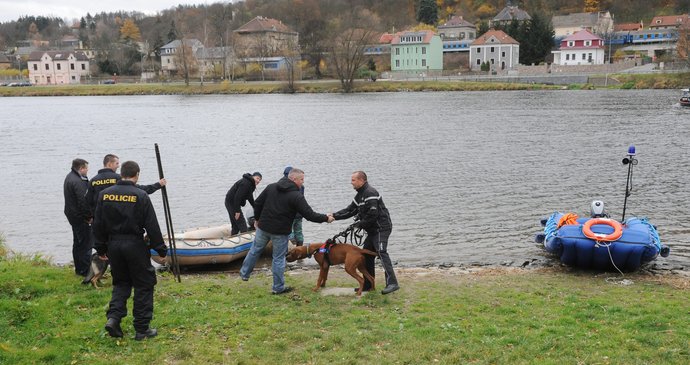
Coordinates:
x,y
275,210
239,194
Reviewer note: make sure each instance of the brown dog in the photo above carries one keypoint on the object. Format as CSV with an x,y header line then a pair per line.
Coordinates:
x,y
351,256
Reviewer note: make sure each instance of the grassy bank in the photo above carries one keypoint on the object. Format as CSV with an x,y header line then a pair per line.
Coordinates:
x,y
257,88
439,316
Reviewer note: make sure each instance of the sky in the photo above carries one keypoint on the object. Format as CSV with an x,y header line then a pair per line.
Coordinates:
x,y
75,9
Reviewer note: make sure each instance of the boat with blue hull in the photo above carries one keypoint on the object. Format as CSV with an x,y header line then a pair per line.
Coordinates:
x,y
638,243
214,245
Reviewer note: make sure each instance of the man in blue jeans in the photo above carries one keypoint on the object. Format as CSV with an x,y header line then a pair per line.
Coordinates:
x,y
275,210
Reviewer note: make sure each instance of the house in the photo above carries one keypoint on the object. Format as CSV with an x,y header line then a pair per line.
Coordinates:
x,y
496,48
214,61
457,34
171,54
266,37
380,52
57,67
581,48
5,62
416,52
509,13
596,22
668,21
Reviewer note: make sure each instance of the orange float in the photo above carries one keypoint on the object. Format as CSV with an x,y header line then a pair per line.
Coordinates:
x,y
617,229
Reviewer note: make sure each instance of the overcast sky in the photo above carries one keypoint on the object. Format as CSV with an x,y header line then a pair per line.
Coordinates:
x,y
75,9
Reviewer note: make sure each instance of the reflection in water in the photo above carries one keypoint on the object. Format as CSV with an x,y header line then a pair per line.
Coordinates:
x,y
466,175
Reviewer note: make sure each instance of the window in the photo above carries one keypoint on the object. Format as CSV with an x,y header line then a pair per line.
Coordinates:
x,y
590,57
416,50
71,66
584,56
74,78
416,62
588,43
503,54
397,63
47,66
479,62
424,63
423,50
471,35
492,61
492,50
567,57
571,43
35,67
58,67
83,67
479,50
397,51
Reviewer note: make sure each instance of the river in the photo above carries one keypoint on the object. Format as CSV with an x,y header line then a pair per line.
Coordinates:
x,y
465,175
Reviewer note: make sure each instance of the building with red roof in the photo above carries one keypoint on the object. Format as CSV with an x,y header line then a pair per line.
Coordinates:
x,y
581,48
496,48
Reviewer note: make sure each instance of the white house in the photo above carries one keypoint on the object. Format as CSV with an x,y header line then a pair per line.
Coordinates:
x,y
581,48
171,54
496,48
57,67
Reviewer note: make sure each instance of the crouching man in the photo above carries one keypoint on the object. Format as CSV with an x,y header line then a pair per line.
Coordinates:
x,y
123,214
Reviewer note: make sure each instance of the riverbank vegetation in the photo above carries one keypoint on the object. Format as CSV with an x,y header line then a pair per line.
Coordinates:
x,y
448,316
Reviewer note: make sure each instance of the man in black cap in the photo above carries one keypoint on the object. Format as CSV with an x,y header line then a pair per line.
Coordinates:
x,y
78,214
239,194
373,217
123,214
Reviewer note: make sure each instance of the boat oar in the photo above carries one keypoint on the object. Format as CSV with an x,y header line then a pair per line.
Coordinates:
x,y
168,220
630,161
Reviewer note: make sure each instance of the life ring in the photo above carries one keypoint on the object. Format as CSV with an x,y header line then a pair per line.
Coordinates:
x,y
617,229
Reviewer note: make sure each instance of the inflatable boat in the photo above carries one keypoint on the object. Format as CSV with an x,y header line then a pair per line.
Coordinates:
x,y
213,245
601,243
685,98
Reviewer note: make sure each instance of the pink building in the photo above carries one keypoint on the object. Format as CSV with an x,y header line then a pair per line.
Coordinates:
x,y
57,67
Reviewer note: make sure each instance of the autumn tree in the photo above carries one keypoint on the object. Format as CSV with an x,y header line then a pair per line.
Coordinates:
x,y
683,45
129,32
351,32
427,12
591,6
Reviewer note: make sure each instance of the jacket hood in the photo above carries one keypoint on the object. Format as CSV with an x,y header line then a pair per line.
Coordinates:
x,y
248,176
286,184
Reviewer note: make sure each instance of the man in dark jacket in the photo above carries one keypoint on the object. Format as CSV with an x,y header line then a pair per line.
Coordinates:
x,y
372,216
297,235
239,194
78,215
108,176
275,210
123,214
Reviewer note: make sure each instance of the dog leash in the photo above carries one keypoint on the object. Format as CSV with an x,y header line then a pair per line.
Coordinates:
x,y
352,233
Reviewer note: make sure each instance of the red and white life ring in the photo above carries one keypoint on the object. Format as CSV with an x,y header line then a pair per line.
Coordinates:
x,y
617,229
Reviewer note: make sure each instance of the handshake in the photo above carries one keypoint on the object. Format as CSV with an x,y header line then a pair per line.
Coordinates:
x,y
162,250
331,219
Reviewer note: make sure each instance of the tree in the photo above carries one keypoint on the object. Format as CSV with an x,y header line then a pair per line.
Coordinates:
x,y
427,12
351,32
129,32
536,39
683,45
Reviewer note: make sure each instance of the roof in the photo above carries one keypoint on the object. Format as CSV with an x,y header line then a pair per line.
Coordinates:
x,y
386,38
213,52
511,12
500,36
669,21
624,27
262,24
4,59
58,55
456,21
575,20
582,35
426,36
189,42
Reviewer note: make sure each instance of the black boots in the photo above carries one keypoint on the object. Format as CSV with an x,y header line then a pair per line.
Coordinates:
x,y
151,332
390,288
113,327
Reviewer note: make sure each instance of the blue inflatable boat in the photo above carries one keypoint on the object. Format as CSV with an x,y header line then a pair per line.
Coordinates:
x,y
602,244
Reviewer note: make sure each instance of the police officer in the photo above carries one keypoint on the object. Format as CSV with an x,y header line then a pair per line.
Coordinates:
x,y
108,176
241,192
123,214
78,214
373,217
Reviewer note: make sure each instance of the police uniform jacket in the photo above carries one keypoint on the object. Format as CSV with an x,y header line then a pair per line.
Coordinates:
x,y
76,208
125,211
368,206
275,208
240,192
107,178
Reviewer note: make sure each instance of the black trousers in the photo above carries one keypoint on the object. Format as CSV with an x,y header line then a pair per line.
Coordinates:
x,y
82,244
238,225
130,262
378,242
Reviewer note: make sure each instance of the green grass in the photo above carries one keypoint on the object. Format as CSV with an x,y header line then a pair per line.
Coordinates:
x,y
486,317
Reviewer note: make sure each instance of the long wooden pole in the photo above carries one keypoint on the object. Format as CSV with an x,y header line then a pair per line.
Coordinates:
x,y
168,220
